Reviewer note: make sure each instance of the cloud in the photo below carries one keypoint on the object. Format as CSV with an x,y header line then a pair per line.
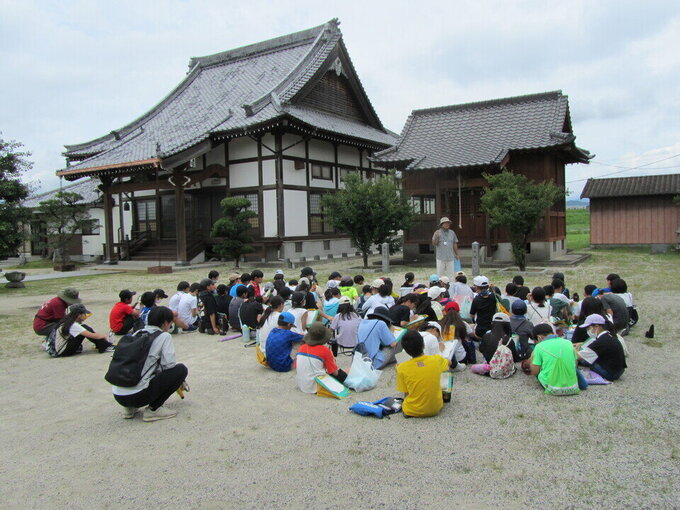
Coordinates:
x,y
80,69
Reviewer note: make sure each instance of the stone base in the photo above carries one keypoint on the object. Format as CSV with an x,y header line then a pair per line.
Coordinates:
x,y
15,285
65,267
159,269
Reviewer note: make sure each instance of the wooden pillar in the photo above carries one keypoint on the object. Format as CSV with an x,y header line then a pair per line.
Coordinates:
x,y
280,220
109,253
178,178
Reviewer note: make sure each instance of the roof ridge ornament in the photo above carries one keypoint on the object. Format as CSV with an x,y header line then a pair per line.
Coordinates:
x,y
337,67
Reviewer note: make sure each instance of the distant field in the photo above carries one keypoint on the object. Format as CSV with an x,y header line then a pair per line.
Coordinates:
x,y
578,229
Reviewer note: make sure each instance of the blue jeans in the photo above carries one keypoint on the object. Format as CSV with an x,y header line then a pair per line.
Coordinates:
x,y
582,383
610,376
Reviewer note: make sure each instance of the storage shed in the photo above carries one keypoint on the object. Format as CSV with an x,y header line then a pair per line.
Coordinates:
x,y
633,210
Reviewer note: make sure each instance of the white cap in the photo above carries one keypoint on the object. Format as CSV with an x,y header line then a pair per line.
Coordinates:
x,y
445,280
480,281
435,325
434,292
377,283
279,271
332,284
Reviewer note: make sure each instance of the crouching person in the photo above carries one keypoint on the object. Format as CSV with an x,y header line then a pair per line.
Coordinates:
x,y
160,374
315,359
419,378
67,338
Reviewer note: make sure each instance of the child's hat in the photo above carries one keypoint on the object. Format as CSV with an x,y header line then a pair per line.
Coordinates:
x,y
317,334
286,317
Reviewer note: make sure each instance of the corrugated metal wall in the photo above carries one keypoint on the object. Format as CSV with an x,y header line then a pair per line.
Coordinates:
x,y
634,220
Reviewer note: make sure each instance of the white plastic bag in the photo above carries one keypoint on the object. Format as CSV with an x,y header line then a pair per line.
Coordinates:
x,y
362,376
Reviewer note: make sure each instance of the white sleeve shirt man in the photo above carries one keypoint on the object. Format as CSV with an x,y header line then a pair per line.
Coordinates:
x,y
187,310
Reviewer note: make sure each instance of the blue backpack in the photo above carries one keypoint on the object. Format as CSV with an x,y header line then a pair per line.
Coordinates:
x,y
380,408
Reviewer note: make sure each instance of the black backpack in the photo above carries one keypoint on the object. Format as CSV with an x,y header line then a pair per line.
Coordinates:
x,y
129,358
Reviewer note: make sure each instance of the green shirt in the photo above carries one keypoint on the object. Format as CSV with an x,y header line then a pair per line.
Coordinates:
x,y
557,359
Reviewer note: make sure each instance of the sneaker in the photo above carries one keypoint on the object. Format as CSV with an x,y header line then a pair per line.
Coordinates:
x,y
459,367
162,413
110,348
129,412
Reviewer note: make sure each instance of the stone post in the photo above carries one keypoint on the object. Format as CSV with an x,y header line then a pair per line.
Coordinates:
x,y
385,258
475,259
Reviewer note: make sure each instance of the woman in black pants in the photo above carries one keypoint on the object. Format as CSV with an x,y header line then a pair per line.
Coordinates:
x,y
162,375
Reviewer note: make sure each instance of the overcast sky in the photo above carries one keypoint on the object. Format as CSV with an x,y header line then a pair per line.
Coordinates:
x,y
75,70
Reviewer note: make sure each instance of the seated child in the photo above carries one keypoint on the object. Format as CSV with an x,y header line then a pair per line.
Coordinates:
x,y
72,332
331,303
280,343
347,288
418,378
315,359
431,333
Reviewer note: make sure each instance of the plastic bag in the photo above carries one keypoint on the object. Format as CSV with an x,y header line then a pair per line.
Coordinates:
x,y
457,266
465,308
362,376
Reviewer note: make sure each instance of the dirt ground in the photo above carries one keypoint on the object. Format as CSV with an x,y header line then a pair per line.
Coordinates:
x,y
245,437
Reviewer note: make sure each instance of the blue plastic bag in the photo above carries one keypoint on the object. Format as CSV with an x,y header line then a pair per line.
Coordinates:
x,y
457,266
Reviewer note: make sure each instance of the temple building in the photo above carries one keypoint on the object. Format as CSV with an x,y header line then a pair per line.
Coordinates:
x,y
279,122
443,152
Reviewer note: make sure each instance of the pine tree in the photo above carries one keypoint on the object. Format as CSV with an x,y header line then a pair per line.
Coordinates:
x,y
233,227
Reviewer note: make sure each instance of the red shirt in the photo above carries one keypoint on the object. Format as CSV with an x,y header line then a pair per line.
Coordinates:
x,y
118,313
323,352
51,311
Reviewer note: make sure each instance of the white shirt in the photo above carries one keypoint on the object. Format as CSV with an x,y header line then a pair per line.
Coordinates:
x,y
76,329
431,343
298,313
187,304
375,301
460,289
173,304
267,327
537,314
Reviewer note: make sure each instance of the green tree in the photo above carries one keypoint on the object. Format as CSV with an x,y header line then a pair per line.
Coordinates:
x,y
370,211
513,202
64,216
13,163
233,227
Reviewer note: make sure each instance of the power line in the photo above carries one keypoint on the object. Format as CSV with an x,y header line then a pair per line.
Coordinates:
x,y
627,169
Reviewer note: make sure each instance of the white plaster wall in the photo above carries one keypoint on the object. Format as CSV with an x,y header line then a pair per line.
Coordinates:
x,y
267,141
292,176
268,172
297,150
322,183
269,213
216,156
321,150
295,212
242,175
93,245
244,147
348,155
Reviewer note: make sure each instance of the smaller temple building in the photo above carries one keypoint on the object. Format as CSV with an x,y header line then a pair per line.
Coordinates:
x,y
443,152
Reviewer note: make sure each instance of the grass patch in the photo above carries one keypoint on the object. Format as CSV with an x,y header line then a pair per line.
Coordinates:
x,y
650,342
39,264
578,229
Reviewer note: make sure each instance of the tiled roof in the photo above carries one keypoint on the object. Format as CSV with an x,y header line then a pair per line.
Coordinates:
x,y
482,133
228,92
644,185
86,188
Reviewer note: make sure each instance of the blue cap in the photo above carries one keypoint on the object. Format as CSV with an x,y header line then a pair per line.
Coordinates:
x,y
286,317
434,277
596,292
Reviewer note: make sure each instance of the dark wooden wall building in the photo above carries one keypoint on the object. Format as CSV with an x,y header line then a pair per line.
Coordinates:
x,y
633,210
443,152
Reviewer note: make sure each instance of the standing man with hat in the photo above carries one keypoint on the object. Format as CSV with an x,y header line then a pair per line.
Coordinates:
x,y
445,242
52,311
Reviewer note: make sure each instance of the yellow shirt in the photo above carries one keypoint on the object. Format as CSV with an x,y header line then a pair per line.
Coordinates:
x,y
419,377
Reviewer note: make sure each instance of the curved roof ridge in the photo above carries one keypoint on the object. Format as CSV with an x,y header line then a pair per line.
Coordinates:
x,y
328,37
553,94
267,46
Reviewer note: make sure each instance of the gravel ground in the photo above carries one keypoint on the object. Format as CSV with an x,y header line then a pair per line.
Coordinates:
x,y
245,437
